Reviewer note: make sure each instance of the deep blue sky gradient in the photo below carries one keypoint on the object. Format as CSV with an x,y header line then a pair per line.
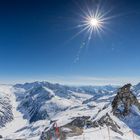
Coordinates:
x,y
35,40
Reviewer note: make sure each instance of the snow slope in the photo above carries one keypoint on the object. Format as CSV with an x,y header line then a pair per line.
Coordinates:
x,y
35,105
18,121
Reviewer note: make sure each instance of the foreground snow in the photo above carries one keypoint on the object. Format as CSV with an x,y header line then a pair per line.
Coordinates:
x,y
104,134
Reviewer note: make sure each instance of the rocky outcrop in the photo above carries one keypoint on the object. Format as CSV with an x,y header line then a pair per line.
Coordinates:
x,y
74,128
124,100
106,120
6,114
79,121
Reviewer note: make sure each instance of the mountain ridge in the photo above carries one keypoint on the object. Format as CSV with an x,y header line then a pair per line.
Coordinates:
x,y
42,102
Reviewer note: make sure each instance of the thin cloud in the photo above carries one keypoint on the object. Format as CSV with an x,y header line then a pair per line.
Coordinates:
x,y
87,80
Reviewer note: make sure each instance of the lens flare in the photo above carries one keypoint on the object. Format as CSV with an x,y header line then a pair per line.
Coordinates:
x,y
92,23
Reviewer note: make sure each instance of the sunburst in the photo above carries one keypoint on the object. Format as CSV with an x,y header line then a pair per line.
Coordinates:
x,y
93,23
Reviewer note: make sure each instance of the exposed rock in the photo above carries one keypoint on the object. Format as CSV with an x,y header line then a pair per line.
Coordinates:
x,y
106,120
32,104
6,114
49,133
124,100
79,121
64,132
74,128
73,131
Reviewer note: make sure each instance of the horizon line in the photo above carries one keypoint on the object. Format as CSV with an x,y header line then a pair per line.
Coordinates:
x,y
76,80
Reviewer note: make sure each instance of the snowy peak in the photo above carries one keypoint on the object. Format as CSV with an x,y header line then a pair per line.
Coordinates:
x,y
32,101
40,92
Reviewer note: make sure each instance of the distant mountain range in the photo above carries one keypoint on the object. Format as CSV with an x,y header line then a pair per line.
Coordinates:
x,y
38,104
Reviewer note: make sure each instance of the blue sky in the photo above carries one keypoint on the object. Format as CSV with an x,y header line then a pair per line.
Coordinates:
x,y
36,44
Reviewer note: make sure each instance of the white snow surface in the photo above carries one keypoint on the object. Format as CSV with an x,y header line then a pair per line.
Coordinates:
x,y
67,108
9,131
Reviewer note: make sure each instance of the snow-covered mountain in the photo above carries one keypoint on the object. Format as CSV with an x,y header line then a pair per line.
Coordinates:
x,y
6,114
32,109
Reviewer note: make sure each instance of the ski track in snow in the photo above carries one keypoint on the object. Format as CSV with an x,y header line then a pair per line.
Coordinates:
x,y
10,129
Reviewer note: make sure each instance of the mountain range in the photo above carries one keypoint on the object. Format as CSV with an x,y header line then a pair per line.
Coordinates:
x,y
30,111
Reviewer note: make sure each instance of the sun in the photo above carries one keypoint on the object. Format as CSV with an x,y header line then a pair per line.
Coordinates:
x,y
93,22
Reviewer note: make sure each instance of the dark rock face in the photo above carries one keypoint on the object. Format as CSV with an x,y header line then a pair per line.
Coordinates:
x,y
32,102
50,133
79,121
123,101
74,128
6,114
106,120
